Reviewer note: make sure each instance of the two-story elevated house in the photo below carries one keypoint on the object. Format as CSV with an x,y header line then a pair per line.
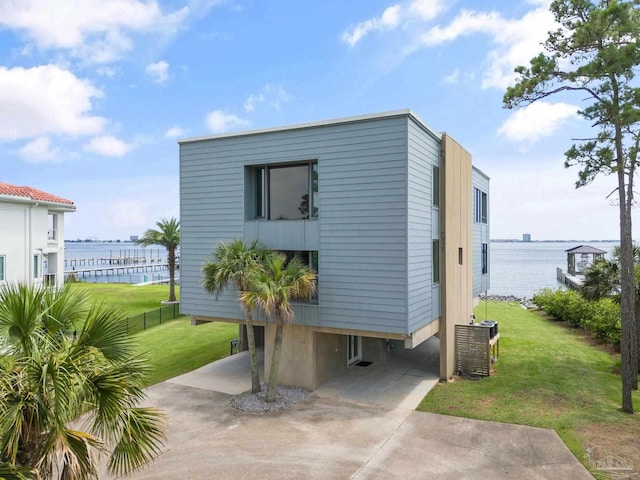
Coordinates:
x,y
32,235
392,216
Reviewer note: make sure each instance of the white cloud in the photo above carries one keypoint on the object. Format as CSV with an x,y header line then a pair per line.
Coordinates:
x,y
129,213
541,199
426,9
127,204
389,20
43,100
219,121
393,17
453,77
466,23
252,101
109,146
159,72
94,30
516,40
175,132
538,120
273,95
40,150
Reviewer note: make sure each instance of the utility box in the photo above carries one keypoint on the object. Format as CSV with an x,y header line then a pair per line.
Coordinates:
x,y
476,349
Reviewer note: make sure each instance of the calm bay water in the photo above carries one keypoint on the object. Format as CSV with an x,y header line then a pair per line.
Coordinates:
x,y
96,250
521,269
517,268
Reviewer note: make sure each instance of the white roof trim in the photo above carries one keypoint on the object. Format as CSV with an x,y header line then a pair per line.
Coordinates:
x,y
322,123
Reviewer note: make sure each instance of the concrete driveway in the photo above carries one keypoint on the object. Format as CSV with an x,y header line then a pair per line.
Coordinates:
x,y
339,433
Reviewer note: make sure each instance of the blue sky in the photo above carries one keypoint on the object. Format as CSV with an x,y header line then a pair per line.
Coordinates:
x,y
94,95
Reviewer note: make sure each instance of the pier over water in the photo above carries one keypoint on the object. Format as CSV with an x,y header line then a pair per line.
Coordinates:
x,y
98,266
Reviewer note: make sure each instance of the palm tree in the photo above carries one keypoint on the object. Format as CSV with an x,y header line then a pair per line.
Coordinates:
x,y
233,263
272,289
601,280
66,398
168,236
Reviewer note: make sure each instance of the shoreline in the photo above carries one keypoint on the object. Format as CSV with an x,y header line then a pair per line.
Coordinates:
x,y
524,301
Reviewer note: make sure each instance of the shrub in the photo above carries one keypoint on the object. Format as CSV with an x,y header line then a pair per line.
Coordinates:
x,y
603,321
600,317
549,300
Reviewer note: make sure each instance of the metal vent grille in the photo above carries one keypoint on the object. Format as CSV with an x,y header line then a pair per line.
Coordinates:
x,y
473,352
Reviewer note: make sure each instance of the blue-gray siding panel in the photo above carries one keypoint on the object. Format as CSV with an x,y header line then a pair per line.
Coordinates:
x,y
480,234
362,171
424,153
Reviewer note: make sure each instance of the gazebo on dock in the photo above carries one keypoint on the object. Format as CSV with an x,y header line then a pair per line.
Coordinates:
x,y
587,256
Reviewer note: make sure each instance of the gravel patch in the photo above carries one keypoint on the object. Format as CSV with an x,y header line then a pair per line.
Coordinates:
x,y
286,397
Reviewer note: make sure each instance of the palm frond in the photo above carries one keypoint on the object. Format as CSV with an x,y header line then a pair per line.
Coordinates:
x,y
106,331
15,472
142,439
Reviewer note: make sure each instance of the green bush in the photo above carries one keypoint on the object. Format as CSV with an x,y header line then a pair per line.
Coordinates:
x,y
549,301
603,321
600,317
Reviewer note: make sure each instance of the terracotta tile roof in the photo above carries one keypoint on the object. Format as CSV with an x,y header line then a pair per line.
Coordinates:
x,y
32,193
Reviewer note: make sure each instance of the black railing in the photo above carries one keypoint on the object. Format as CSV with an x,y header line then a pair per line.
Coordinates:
x,y
152,318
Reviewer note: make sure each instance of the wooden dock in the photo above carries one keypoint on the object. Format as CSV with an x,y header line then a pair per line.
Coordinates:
x,y
570,281
93,267
71,263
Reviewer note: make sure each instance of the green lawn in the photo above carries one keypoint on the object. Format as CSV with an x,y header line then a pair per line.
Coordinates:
x,y
134,300
174,347
177,347
547,376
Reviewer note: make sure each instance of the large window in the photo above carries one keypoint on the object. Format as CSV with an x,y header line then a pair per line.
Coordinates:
x,y
308,258
480,202
2,274
287,192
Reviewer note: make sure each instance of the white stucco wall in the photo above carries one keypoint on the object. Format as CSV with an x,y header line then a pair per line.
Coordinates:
x,y
24,234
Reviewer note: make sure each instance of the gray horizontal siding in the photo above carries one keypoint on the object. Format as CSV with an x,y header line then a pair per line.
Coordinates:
x,y
481,283
362,171
424,153
363,233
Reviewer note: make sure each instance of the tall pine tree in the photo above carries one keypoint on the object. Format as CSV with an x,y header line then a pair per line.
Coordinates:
x,y
595,52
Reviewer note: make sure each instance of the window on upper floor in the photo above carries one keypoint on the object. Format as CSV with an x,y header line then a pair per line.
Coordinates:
x,y
52,230
36,266
310,259
485,258
480,206
286,192
435,180
2,262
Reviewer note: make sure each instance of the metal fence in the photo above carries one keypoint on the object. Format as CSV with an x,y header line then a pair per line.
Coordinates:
x,y
152,318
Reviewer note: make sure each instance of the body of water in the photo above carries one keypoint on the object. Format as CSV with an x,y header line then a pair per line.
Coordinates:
x,y
516,268
97,250
523,268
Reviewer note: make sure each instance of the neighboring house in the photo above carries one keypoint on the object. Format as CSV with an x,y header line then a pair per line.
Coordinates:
x,y
32,235
391,215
